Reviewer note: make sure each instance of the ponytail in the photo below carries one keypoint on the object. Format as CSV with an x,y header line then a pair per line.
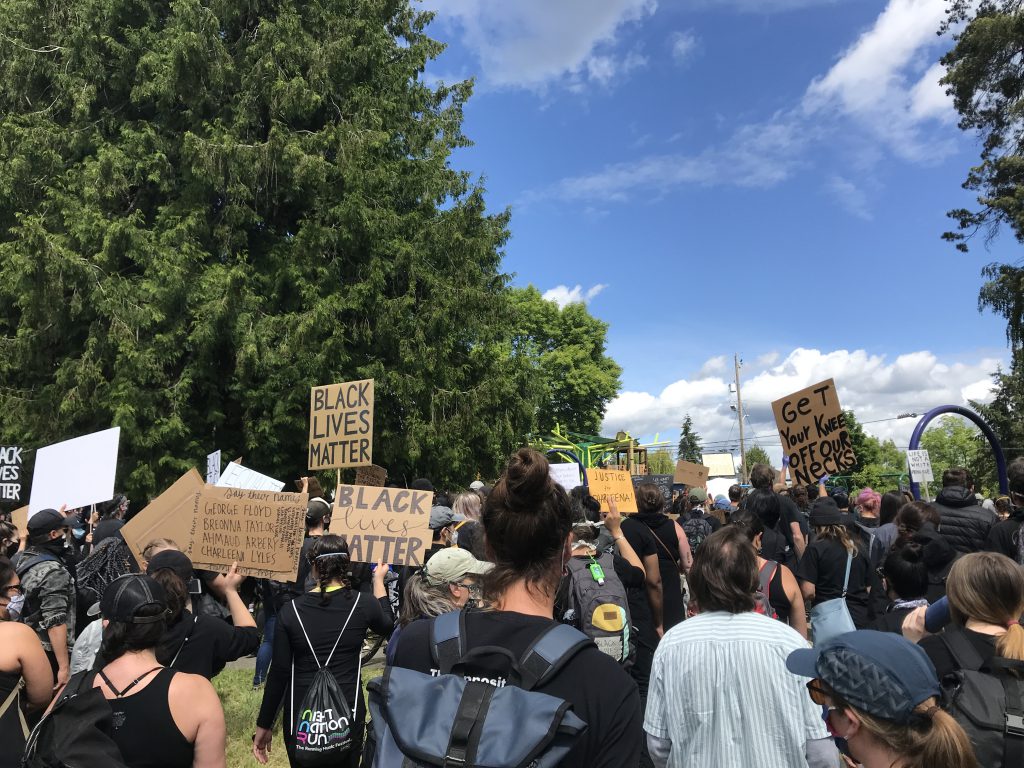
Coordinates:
x,y
943,744
1011,644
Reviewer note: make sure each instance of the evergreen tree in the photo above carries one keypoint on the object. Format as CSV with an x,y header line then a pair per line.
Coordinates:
x,y
757,455
208,207
689,443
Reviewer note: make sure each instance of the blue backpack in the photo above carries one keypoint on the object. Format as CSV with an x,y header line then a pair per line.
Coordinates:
x,y
419,720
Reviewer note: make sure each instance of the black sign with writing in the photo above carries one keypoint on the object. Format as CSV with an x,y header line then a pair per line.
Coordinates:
x,y
10,473
664,483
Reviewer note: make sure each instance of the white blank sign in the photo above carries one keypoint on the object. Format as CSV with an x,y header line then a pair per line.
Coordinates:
x,y
237,476
566,475
76,472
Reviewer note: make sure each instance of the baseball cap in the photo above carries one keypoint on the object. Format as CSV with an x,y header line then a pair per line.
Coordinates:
x,y
452,564
175,561
46,520
442,516
698,494
127,595
317,509
880,673
722,503
476,485
840,497
825,512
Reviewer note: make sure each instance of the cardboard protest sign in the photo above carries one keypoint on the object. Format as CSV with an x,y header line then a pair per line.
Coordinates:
x,y
75,472
260,530
693,475
664,483
371,476
920,464
213,467
168,516
20,519
566,475
813,431
607,485
719,464
341,425
237,476
10,473
383,524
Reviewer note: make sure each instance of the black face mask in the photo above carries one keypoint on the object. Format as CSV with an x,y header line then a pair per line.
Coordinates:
x,y
53,546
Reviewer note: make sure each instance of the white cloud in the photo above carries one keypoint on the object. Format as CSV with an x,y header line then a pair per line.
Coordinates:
x,y
536,43
563,294
875,387
684,46
875,94
851,197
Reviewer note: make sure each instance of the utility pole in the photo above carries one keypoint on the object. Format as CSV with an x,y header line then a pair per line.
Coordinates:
x,y
739,413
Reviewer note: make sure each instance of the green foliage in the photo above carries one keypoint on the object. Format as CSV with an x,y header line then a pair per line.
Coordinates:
x,y
660,462
566,348
689,442
1005,413
955,442
757,455
208,207
986,81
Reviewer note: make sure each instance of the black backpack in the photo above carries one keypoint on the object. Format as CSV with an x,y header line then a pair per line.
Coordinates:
x,y
597,607
987,699
697,529
75,733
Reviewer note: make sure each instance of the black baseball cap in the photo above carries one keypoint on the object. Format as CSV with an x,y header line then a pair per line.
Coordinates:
x,y
45,521
126,596
173,559
880,673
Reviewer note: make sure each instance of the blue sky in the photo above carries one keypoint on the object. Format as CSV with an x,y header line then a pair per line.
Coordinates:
x,y
766,177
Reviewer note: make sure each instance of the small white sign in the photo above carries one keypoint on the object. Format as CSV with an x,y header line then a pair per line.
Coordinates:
x,y
920,466
566,475
76,472
213,467
237,476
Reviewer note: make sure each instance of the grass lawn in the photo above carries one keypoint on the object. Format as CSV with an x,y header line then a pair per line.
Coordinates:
x,y
241,703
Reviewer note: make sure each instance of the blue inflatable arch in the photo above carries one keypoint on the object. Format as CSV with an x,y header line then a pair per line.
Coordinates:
x,y
967,413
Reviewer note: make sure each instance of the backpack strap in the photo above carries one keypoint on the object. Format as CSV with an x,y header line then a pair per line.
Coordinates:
x,y
962,650
766,574
548,653
1008,672
15,699
447,640
343,628
188,636
846,578
24,566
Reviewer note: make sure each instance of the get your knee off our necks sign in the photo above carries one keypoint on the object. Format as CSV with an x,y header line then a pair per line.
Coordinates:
x,y
383,524
814,434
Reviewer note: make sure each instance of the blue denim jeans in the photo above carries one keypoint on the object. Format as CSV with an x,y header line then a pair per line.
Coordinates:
x,y
266,651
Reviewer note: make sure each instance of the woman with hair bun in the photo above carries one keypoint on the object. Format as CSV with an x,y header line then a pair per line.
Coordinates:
x,y
324,626
527,520
986,601
881,696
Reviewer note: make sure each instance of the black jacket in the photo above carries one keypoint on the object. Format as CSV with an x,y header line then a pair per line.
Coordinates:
x,y
963,522
1004,537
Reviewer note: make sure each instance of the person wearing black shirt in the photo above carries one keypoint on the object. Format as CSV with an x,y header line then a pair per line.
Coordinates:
x,y
906,585
1007,536
196,643
308,628
823,566
527,520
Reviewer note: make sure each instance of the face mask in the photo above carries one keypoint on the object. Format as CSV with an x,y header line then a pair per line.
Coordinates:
x,y
78,533
15,606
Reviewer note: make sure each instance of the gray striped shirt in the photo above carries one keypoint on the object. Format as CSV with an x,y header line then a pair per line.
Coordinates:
x,y
721,693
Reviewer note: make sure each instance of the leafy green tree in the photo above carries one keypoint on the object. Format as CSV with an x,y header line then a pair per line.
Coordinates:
x,y
207,208
689,442
757,455
660,462
984,76
955,442
566,347
1005,412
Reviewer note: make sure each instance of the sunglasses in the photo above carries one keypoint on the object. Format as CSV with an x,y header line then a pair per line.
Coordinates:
x,y
818,694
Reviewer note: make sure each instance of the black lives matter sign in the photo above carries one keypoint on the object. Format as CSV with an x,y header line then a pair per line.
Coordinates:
x,y
814,434
10,473
341,425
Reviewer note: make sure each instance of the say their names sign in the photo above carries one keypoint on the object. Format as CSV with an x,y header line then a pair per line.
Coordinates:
x,y
341,425
390,525
608,485
814,434
10,473
260,530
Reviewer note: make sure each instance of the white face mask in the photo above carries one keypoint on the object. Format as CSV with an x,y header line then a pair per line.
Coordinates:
x,y
15,606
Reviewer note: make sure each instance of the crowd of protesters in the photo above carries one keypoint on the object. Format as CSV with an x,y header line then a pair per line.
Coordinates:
x,y
675,636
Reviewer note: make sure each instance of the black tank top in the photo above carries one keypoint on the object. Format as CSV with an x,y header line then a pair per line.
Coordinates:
x,y
144,728
777,595
12,736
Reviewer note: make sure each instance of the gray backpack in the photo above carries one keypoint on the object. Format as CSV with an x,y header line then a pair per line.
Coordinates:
x,y
599,607
419,720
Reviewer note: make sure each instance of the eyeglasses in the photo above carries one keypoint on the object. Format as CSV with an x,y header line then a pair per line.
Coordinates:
x,y
470,587
818,694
